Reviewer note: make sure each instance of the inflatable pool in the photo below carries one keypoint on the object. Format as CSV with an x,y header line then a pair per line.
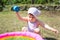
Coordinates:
x,y
20,36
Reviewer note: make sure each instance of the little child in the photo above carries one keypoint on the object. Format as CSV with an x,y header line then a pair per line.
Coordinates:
x,y
33,23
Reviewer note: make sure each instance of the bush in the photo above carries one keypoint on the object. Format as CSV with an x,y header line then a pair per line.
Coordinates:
x,y
30,1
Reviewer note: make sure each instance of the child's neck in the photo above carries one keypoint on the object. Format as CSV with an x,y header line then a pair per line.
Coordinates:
x,y
33,21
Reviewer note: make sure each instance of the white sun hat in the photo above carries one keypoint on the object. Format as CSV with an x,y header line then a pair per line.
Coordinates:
x,y
34,11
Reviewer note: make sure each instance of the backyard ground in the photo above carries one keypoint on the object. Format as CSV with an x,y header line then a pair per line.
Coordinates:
x,y
9,22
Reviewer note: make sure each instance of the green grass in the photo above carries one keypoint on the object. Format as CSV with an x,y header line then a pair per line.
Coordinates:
x,y
10,23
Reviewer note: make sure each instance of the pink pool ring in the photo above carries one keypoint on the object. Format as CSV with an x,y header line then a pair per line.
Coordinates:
x,y
30,35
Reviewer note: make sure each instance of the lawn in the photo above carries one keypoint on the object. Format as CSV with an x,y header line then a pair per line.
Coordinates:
x,y
10,23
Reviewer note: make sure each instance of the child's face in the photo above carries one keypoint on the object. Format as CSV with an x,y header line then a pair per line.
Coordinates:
x,y
32,18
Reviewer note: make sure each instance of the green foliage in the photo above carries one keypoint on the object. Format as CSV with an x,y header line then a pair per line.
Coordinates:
x,y
57,1
26,2
30,1
41,1
19,1
4,1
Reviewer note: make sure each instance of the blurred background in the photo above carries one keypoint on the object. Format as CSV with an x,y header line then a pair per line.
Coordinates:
x,y
50,14
41,4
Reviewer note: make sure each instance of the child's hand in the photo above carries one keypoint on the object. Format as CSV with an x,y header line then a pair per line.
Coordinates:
x,y
17,12
56,31
16,8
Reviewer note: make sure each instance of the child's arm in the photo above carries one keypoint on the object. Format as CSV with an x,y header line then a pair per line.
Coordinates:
x,y
48,27
21,18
